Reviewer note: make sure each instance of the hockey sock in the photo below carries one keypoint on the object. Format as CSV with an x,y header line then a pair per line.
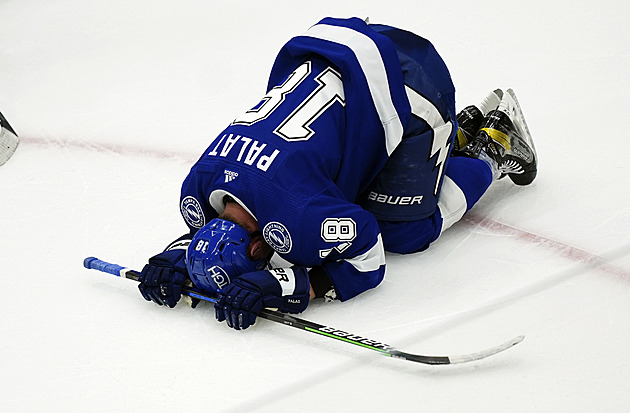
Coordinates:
x,y
472,176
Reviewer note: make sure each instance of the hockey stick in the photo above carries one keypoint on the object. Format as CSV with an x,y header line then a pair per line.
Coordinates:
x,y
331,332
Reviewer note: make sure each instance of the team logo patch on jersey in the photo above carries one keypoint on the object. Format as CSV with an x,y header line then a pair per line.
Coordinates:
x,y
278,237
192,212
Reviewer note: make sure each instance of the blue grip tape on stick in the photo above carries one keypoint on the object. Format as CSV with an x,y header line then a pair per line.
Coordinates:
x,y
94,263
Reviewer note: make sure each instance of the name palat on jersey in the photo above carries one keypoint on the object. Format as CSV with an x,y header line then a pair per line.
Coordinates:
x,y
247,150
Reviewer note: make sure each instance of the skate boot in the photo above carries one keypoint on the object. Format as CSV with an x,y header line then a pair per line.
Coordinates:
x,y
8,140
504,138
471,117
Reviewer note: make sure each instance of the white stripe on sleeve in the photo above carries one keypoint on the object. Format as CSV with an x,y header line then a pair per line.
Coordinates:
x,y
370,60
370,260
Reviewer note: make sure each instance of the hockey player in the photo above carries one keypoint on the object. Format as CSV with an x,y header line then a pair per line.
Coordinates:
x,y
355,150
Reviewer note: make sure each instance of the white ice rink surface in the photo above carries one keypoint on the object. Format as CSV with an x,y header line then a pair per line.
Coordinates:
x,y
114,100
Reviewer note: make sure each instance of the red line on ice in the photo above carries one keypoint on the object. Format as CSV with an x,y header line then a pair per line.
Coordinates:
x,y
119,149
565,250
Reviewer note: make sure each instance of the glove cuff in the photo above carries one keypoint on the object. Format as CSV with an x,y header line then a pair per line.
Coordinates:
x,y
287,289
295,286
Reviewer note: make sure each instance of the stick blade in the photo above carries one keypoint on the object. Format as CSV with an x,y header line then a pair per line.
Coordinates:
x,y
485,353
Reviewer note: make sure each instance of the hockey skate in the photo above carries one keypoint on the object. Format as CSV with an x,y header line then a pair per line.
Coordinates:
x,y
505,138
471,118
8,140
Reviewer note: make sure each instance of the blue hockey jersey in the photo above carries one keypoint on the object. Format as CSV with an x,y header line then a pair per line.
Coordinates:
x,y
298,161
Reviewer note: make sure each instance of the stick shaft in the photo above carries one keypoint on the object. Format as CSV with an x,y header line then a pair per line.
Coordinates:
x,y
312,327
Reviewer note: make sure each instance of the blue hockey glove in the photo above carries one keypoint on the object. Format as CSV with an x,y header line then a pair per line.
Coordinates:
x,y
162,279
239,303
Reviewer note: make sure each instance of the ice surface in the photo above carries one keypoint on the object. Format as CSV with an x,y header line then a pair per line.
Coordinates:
x,y
115,100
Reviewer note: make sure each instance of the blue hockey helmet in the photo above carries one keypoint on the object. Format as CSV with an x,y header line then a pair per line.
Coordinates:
x,y
218,253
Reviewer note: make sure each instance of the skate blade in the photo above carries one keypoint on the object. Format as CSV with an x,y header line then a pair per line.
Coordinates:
x,y
523,143
516,114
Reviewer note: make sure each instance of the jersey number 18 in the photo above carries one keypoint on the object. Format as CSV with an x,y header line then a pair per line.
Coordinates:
x,y
296,127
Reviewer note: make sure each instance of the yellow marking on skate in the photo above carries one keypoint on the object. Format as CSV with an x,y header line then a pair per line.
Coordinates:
x,y
498,136
461,138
